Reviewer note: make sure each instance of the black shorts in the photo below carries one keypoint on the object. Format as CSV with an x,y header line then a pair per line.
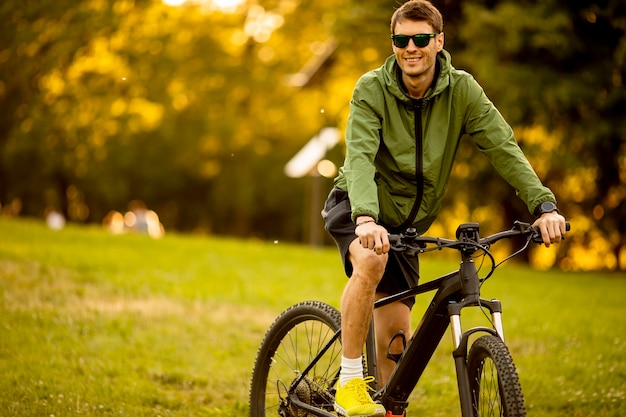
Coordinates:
x,y
401,273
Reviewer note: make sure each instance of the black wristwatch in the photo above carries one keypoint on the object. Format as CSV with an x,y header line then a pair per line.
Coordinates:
x,y
546,207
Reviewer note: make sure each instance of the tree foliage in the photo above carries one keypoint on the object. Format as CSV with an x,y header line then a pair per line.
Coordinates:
x,y
556,69
196,109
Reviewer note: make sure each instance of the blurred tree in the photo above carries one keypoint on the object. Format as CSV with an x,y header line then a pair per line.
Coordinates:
x,y
196,110
556,70
176,106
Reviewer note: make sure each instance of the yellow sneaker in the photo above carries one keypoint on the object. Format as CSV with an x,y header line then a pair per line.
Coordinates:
x,y
353,400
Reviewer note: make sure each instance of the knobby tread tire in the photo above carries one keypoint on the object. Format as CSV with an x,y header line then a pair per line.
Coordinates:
x,y
325,319
494,392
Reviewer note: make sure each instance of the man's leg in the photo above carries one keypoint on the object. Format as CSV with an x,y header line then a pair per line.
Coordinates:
x,y
357,304
401,273
387,321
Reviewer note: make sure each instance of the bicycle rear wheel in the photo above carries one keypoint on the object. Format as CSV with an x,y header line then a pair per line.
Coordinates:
x,y
494,383
292,342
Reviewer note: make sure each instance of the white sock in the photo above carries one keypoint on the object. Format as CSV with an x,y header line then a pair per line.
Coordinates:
x,y
350,369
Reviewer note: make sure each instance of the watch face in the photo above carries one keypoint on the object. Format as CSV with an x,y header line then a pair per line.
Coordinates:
x,y
547,207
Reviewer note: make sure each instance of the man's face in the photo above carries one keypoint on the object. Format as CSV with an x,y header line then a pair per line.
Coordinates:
x,y
415,61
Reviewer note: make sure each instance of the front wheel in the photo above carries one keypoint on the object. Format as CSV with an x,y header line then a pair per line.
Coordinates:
x,y
494,383
291,345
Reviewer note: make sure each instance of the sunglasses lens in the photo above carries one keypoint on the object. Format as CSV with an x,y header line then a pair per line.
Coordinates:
x,y
401,41
421,40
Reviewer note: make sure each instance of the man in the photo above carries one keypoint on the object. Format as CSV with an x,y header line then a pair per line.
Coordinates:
x,y
406,120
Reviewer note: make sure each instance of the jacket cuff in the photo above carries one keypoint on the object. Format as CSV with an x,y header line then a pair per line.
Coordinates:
x,y
356,215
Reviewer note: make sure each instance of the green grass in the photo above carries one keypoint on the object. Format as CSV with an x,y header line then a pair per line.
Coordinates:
x,y
93,324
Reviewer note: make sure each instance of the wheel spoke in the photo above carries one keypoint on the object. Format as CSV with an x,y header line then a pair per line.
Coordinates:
x,y
494,383
293,341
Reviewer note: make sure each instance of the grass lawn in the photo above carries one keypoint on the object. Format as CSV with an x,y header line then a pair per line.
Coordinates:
x,y
93,324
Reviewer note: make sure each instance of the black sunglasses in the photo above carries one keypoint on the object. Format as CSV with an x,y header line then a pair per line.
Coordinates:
x,y
420,40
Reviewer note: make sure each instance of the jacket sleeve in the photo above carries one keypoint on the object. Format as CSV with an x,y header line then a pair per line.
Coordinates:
x,y
494,137
362,142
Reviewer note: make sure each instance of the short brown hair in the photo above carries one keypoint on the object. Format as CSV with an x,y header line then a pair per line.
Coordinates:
x,y
418,10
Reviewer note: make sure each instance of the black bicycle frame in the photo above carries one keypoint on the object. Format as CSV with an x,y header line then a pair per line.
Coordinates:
x,y
456,291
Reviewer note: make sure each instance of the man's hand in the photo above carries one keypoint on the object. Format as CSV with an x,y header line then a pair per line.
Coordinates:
x,y
552,227
372,235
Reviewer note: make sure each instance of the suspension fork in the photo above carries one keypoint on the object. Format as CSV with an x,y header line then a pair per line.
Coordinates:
x,y
495,308
470,289
460,341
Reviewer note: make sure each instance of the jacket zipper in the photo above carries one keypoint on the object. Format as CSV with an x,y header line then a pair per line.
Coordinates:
x,y
419,166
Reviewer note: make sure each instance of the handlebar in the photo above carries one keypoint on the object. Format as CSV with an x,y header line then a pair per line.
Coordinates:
x,y
467,238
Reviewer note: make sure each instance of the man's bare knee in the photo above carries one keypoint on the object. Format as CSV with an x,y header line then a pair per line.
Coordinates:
x,y
367,262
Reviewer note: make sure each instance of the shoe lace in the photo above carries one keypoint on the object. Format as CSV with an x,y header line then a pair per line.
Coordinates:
x,y
360,390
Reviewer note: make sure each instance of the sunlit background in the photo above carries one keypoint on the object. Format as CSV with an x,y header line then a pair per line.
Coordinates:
x,y
215,116
224,5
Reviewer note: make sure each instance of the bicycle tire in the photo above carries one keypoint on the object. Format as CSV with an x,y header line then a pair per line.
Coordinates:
x,y
493,379
290,344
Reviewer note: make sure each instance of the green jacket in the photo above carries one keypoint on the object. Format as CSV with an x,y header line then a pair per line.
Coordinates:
x,y
400,151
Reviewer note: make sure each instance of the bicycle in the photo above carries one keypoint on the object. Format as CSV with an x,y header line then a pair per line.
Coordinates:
x,y
297,365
